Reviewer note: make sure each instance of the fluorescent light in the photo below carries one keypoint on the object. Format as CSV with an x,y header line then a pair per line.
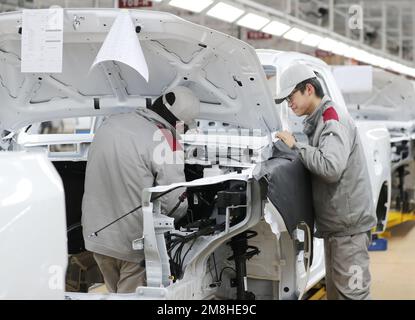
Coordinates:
x,y
349,52
341,48
395,66
377,61
364,56
384,63
191,5
360,55
357,54
353,53
295,34
276,28
252,21
412,72
225,12
373,59
312,40
403,69
368,58
327,44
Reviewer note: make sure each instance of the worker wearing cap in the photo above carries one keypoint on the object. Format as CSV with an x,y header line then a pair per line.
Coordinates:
x,y
122,162
340,181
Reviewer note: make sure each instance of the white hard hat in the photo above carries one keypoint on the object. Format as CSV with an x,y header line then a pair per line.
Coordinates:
x,y
185,105
292,76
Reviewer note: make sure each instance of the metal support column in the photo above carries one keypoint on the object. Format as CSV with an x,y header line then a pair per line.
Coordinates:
x,y
346,26
297,11
288,6
413,32
400,41
362,31
384,24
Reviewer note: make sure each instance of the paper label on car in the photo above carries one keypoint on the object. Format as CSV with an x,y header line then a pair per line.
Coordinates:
x,y
42,40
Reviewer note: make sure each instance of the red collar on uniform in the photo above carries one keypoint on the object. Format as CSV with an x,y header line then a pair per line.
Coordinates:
x,y
171,140
330,114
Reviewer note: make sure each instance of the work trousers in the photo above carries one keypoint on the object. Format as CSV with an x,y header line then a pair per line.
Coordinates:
x,y
347,267
120,276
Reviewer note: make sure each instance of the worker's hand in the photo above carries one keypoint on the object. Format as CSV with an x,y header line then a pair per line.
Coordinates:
x,y
286,137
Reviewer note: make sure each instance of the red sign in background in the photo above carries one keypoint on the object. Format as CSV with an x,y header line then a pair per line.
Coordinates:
x,y
258,35
134,3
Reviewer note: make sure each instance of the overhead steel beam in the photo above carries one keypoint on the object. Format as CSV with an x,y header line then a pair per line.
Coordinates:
x,y
384,37
250,5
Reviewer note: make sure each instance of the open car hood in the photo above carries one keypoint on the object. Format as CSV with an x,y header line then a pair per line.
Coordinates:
x,y
224,72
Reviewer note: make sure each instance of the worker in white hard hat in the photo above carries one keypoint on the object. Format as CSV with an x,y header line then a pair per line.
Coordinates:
x,y
342,197
120,165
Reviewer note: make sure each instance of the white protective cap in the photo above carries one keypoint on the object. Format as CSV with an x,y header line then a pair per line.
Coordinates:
x,y
292,76
186,106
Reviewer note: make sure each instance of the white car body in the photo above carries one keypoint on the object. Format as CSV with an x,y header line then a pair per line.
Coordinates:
x,y
228,77
392,103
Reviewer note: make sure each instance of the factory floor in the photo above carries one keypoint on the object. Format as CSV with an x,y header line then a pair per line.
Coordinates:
x,y
392,270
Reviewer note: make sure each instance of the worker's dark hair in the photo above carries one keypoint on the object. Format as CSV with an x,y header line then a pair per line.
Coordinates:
x,y
159,108
315,83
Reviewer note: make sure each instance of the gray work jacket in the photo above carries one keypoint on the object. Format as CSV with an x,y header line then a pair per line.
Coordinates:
x,y
342,193
129,153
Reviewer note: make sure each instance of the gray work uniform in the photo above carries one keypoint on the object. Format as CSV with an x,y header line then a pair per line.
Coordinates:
x,y
342,197
122,161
